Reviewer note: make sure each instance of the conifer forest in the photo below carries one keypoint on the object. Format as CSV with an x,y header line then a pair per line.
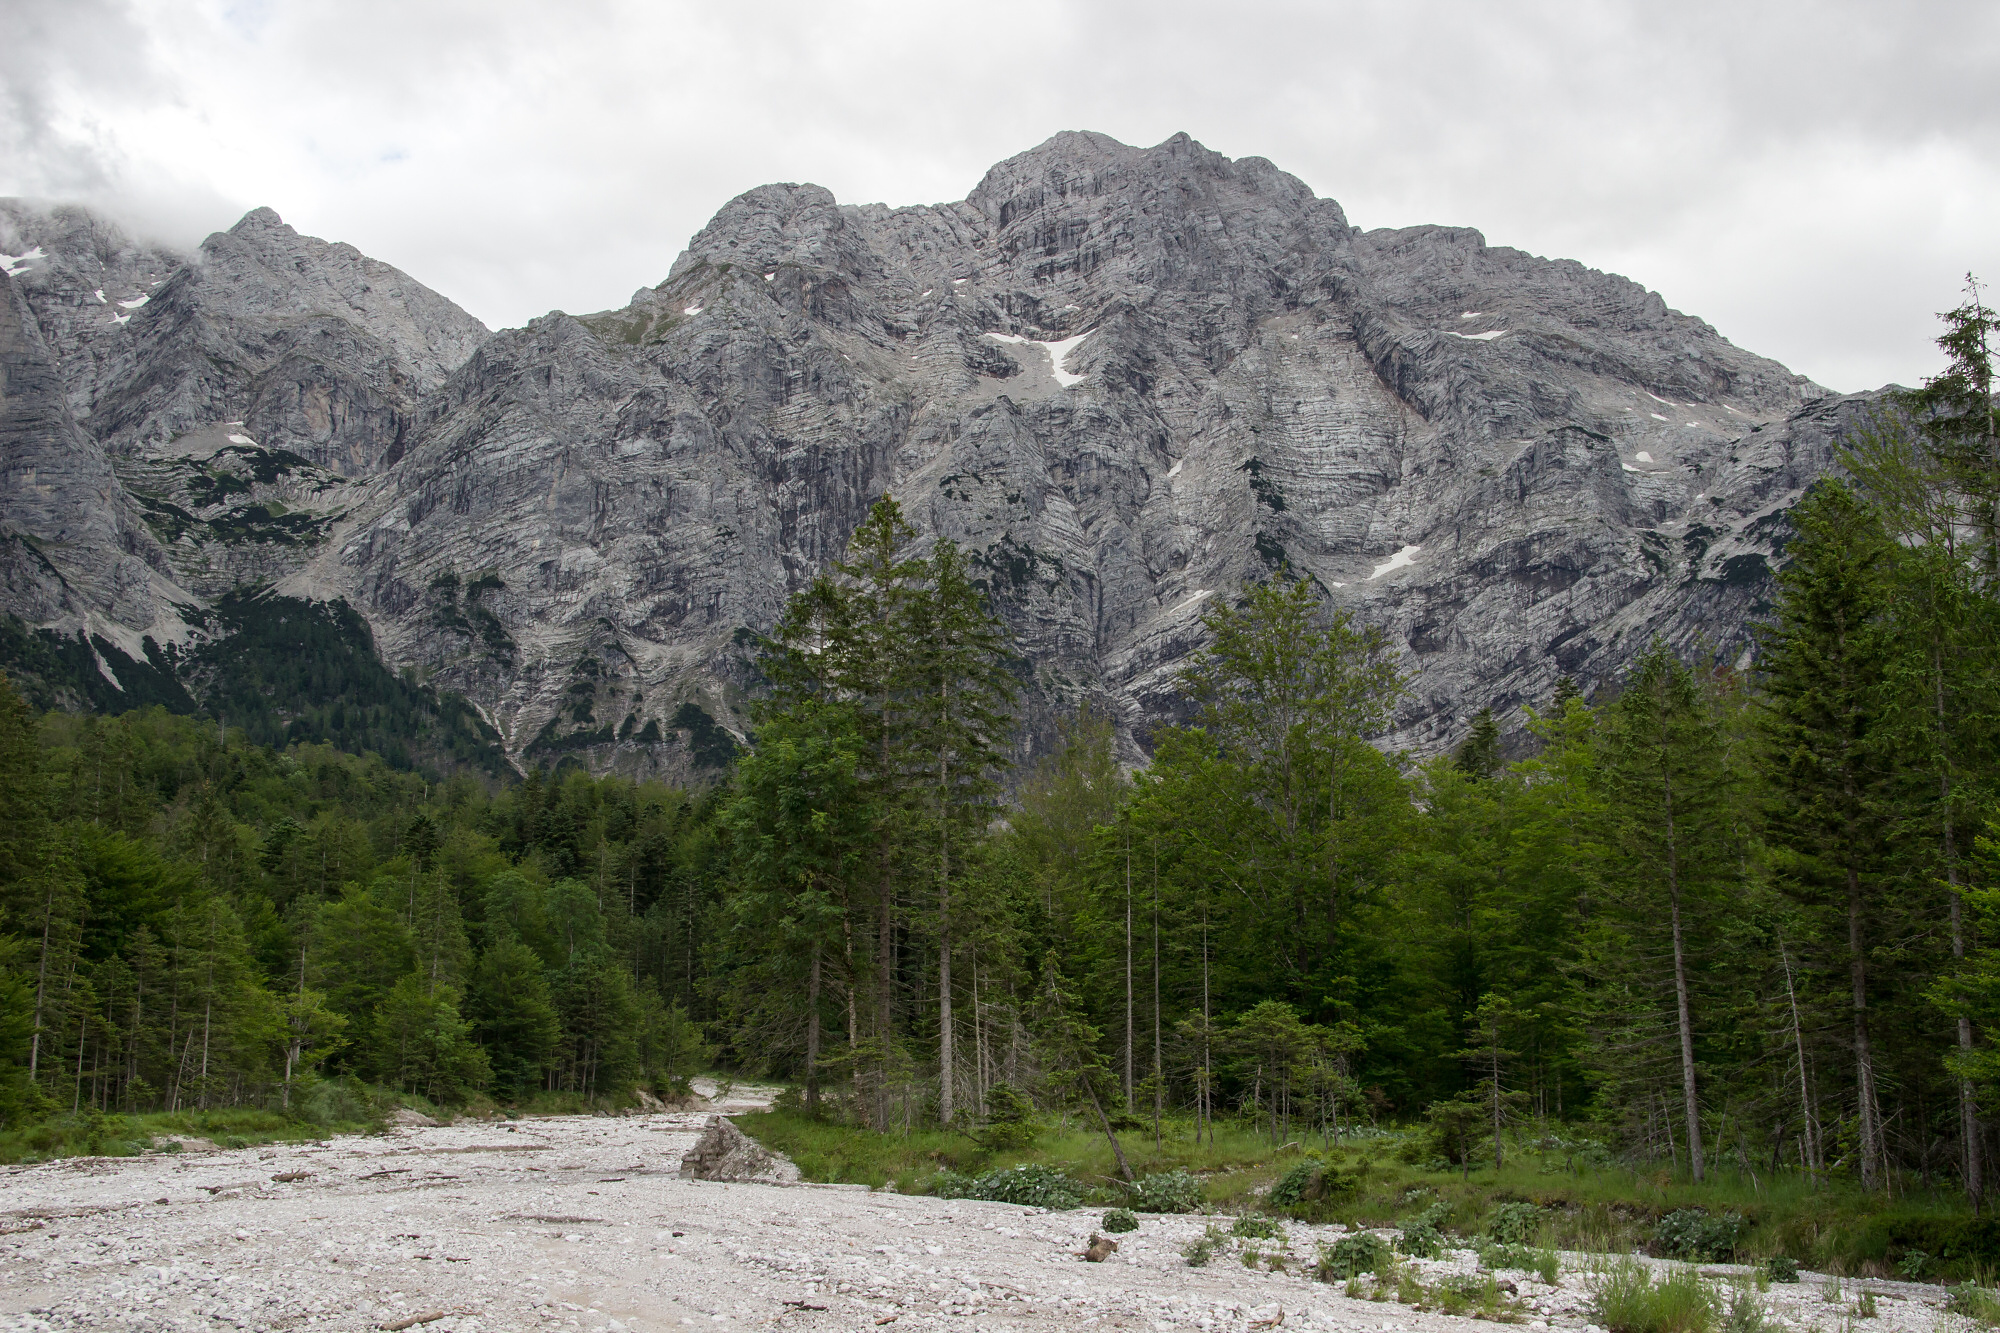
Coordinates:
x,y
1716,916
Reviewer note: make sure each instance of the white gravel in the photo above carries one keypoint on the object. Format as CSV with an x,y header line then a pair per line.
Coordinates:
x,y
582,1222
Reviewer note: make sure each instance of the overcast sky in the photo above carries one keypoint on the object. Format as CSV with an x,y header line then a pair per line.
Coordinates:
x,y
1813,179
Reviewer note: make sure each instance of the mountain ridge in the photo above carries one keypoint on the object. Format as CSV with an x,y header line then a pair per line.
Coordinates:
x,y
1125,379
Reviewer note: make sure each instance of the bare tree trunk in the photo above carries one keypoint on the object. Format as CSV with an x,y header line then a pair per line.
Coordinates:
x,y
812,1034
1968,1105
82,1045
978,1041
1864,1057
885,983
1811,1144
1128,967
945,1090
1159,1076
853,1015
41,982
1688,1091
207,1014
1207,1063
1493,1070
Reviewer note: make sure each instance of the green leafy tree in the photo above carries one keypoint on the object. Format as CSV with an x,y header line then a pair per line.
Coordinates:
x,y
358,950
1075,1067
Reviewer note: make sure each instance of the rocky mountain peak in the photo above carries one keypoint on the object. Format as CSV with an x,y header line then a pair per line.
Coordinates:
x,y
262,268
780,227
1124,379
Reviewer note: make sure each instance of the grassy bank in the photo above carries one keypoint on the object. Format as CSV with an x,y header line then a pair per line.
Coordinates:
x,y
96,1135
320,1109
1834,1227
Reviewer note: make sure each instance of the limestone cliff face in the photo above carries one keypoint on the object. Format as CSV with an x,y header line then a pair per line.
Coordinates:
x,y
239,390
1126,379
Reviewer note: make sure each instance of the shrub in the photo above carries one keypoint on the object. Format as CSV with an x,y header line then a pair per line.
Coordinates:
x,y
1257,1228
1120,1220
1422,1236
337,1101
1477,1294
1350,1256
1202,1248
1628,1300
1166,1192
1309,1184
1031,1184
1976,1303
1778,1268
1746,1314
1514,1223
1010,1120
1453,1131
1298,1179
1911,1266
1699,1237
1525,1258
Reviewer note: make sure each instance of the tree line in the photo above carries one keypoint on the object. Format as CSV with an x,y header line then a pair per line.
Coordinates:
x,y
194,921
1721,918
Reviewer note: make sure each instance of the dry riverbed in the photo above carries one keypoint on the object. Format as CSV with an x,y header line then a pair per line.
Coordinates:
x,y
583,1222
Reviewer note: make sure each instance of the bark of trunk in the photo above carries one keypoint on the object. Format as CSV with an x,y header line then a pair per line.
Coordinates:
x,y
1159,1075
1968,1105
1128,969
812,1034
1689,1092
1864,1058
945,1090
207,1015
1811,1136
41,985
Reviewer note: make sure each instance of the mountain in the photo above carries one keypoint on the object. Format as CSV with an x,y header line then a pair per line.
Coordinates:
x,y
1125,379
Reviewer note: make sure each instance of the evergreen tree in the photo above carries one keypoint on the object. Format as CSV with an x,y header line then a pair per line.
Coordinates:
x,y
1669,790
800,824
513,1017
1828,764
961,719
1478,755
425,1046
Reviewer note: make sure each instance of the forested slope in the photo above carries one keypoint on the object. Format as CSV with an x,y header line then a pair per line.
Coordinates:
x,y
1715,917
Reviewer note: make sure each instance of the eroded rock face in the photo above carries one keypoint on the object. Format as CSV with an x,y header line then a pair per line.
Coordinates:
x,y
724,1152
1125,379
239,392
74,549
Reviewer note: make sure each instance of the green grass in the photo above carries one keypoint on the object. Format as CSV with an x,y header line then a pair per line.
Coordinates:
x,y
94,1135
1630,1298
1577,1204
826,1151
1977,1303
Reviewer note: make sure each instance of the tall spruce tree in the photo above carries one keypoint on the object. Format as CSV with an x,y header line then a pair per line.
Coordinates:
x,y
800,825
1828,762
961,724
1669,789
